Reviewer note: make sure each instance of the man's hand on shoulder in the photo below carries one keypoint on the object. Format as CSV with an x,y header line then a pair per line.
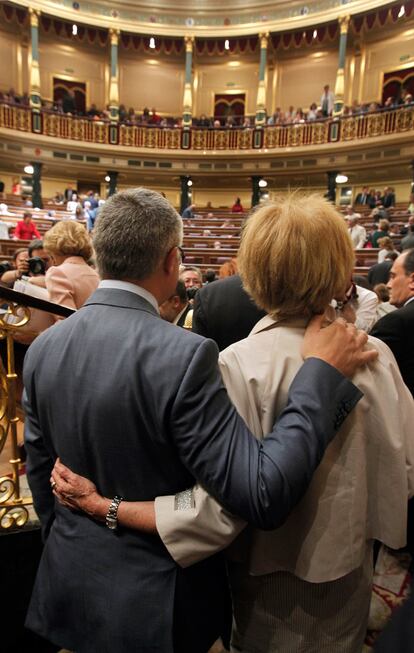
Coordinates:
x,y
340,344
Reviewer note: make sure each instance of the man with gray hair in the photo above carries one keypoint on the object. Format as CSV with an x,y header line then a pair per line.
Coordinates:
x,y
139,407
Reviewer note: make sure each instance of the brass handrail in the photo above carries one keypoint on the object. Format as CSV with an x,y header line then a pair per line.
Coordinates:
x,y
333,130
13,507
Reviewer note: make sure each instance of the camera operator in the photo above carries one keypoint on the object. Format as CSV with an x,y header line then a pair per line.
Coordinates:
x,y
31,262
192,278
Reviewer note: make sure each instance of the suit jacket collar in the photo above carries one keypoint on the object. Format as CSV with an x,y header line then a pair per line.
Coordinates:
x,y
120,299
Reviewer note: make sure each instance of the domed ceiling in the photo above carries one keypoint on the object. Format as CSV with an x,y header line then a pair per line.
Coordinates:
x,y
206,17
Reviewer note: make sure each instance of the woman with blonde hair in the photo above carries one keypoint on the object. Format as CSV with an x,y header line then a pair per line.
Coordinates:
x,y
386,245
305,587
70,281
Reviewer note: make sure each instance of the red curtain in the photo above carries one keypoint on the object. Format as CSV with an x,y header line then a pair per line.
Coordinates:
x,y
229,105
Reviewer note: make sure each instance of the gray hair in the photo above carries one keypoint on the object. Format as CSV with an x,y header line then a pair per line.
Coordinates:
x,y
135,229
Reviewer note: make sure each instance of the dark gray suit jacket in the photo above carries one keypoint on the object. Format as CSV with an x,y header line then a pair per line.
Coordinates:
x,y
137,405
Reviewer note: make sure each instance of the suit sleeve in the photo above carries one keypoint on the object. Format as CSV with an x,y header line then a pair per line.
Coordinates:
x,y
259,482
39,464
199,317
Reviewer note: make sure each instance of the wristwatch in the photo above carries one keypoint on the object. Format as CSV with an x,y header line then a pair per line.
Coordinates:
x,y
111,519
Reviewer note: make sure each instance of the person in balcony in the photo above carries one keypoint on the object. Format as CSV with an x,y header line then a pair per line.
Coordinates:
x,y
154,119
327,101
93,112
204,122
123,115
69,102
312,113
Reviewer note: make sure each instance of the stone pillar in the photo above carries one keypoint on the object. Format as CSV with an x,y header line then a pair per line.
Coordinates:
x,y
185,199
256,190
37,185
34,74
340,75
113,179
261,89
331,192
114,78
188,82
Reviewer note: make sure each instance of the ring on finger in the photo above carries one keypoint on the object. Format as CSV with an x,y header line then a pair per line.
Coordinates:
x,y
53,484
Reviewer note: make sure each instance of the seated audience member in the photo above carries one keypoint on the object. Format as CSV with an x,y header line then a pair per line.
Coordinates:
x,y
408,241
307,585
228,269
381,232
93,112
70,281
5,227
237,206
384,307
380,272
386,246
188,213
410,207
204,121
26,228
356,231
379,212
228,223
312,113
58,198
192,277
176,308
388,199
210,275
217,244
16,187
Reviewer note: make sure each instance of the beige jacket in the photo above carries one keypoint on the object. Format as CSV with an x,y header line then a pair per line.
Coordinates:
x,y
359,491
72,282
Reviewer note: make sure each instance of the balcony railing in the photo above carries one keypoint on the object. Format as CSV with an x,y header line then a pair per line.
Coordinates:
x,y
75,128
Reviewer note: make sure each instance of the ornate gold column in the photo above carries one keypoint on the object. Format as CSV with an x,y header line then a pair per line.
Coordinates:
x,y
340,75
114,78
34,74
188,82
261,90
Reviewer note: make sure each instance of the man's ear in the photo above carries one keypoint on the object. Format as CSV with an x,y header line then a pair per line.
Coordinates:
x,y
170,262
412,281
176,302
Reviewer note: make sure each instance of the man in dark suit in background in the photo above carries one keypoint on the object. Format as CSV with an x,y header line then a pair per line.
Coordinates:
x,y
224,312
140,408
362,197
380,272
397,328
176,308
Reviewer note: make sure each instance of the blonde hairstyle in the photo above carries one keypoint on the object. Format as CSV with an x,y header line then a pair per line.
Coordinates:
x,y
386,243
295,256
228,269
68,239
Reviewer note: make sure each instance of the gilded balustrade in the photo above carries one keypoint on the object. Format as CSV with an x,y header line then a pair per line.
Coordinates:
x,y
13,507
344,129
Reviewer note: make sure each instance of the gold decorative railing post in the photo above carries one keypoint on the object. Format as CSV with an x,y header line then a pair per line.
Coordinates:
x,y
34,72
114,82
188,82
261,89
13,511
340,75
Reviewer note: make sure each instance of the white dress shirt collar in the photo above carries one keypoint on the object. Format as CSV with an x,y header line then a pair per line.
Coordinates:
x,y
116,284
409,300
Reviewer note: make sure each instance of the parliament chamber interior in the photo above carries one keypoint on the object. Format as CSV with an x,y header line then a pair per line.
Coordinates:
x,y
259,159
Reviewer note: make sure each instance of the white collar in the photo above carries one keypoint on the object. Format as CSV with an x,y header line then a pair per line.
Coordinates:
x,y
116,284
409,300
